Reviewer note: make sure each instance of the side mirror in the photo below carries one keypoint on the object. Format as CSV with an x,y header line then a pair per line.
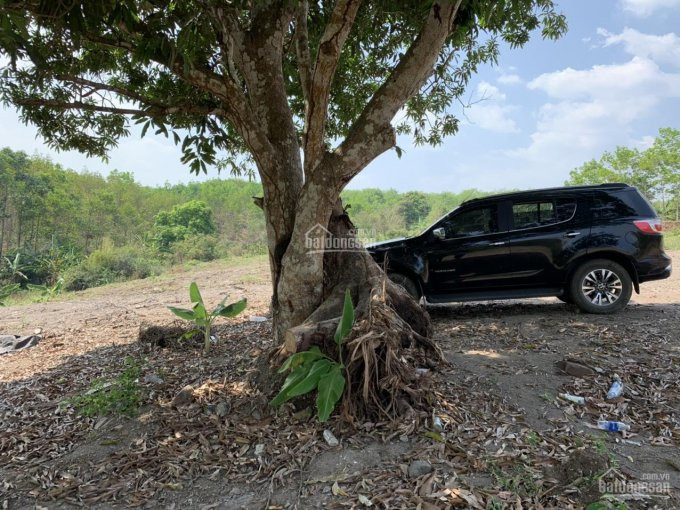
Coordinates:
x,y
439,233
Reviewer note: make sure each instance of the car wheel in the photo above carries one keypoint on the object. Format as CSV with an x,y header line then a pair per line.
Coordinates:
x,y
601,286
406,283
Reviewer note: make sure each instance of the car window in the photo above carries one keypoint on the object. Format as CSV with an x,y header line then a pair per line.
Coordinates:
x,y
565,208
473,222
533,214
606,207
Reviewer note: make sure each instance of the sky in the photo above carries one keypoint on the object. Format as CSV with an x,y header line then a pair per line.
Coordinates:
x,y
613,79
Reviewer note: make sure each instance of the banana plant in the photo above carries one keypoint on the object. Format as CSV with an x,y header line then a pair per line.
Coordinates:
x,y
46,292
313,370
6,291
200,316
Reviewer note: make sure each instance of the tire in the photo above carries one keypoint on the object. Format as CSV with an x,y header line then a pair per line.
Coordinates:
x,y
406,283
601,286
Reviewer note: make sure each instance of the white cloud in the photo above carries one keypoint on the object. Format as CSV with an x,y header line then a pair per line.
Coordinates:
x,y
509,79
643,8
590,111
660,48
491,112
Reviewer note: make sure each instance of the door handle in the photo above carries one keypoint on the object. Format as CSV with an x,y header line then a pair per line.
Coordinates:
x,y
572,234
497,243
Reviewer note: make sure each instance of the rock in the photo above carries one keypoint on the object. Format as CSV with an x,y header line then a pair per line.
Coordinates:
x,y
222,409
419,468
575,368
330,439
184,397
153,379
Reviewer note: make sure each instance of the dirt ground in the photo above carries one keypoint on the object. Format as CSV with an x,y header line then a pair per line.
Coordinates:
x,y
506,438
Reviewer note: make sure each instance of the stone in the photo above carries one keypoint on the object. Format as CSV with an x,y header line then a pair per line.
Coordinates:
x,y
184,397
419,468
153,379
222,409
330,439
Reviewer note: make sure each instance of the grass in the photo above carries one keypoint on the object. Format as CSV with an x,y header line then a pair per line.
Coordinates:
x,y
118,396
27,297
671,240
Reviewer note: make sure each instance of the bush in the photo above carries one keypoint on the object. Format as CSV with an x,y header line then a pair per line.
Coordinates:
x,y
110,264
198,247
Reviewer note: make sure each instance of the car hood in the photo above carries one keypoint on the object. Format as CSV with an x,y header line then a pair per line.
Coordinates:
x,y
390,243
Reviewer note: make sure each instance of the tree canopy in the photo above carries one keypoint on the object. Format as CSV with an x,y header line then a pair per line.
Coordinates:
x,y
79,70
655,171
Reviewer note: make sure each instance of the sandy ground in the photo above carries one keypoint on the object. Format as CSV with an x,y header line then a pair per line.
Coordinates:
x,y
498,396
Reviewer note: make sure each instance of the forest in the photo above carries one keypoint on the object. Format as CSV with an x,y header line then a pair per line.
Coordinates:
x,y
65,229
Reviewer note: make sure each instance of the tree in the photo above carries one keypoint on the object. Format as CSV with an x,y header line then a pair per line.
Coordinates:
x,y
262,83
190,219
413,208
655,171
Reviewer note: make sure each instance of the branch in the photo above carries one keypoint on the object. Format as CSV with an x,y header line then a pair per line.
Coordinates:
x,y
318,96
151,112
302,48
372,133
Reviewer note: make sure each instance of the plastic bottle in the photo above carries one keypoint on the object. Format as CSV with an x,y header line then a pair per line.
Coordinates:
x,y
612,426
616,388
573,398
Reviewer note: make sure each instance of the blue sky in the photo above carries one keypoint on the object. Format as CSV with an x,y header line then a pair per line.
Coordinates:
x,y
613,79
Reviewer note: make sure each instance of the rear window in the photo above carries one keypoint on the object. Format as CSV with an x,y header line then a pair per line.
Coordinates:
x,y
541,213
621,204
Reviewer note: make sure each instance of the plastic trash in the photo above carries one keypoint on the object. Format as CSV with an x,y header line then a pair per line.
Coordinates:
x,y
616,388
437,423
573,398
612,426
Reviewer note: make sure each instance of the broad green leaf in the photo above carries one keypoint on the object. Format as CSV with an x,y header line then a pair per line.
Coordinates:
x,y
330,390
319,368
183,313
231,310
195,294
199,311
301,357
295,377
347,319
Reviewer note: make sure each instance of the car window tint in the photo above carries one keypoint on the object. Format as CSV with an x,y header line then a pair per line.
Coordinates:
x,y
472,223
606,207
565,208
533,214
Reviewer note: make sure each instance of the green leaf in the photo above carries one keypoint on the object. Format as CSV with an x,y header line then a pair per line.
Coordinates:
x,y
319,369
195,294
299,358
295,377
231,310
347,320
331,387
183,313
199,311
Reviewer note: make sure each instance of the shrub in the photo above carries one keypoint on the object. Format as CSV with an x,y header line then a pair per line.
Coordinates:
x,y
197,247
110,264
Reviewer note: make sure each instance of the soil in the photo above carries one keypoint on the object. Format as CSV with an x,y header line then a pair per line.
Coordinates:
x,y
506,437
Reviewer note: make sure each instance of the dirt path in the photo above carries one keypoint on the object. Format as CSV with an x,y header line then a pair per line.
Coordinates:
x,y
507,436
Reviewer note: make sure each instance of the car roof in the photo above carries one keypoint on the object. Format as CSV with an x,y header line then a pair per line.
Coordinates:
x,y
563,189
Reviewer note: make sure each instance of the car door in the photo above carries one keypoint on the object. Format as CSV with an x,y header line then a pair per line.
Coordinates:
x,y
472,253
544,235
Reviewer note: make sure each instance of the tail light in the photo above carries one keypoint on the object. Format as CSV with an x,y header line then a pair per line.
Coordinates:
x,y
653,226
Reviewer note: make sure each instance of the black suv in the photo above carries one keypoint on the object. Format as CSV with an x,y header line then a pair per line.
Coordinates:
x,y
587,245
